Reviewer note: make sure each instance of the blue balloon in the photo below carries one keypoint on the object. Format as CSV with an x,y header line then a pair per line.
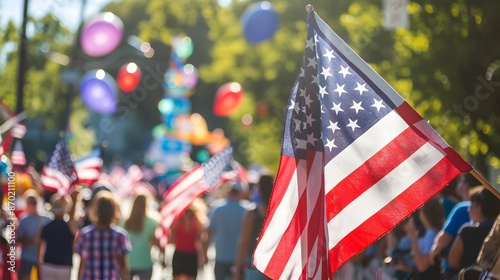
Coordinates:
x,y
259,22
98,91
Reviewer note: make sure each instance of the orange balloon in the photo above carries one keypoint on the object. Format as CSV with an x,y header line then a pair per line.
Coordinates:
x,y
199,133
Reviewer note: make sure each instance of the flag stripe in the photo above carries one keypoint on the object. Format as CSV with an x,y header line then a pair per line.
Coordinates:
x,y
384,131
279,214
383,192
54,180
302,213
187,179
188,187
173,205
388,216
372,170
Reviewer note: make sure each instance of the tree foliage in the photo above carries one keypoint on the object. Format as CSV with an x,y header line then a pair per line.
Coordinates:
x,y
443,64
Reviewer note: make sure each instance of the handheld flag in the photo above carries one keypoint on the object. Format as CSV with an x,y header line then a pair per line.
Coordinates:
x,y
188,187
59,173
88,168
17,157
356,160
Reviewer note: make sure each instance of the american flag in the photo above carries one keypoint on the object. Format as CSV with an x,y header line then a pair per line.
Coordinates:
x,y
356,159
125,185
59,173
17,158
88,168
192,184
235,172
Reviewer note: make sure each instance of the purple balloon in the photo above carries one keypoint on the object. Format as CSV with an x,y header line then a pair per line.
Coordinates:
x,y
98,92
101,34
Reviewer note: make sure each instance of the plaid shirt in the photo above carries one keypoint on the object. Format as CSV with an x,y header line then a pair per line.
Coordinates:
x,y
99,251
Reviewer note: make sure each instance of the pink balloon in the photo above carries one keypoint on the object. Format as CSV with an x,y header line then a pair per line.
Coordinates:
x,y
101,34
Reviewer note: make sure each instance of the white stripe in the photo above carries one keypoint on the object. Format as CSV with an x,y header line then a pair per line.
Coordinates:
x,y
88,174
55,179
383,192
279,223
433,136
367,145
297,259
90,162
184,198
190,179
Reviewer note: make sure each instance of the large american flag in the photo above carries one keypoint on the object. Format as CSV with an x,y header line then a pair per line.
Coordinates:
x,y
191,185
88,168
17,157
356,160
59,173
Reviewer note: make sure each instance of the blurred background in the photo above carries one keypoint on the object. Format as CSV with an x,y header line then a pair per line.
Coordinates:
x,y
171,82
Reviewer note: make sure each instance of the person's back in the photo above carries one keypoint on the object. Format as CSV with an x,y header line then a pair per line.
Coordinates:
x,y
225,227
226,224
141,228
102,246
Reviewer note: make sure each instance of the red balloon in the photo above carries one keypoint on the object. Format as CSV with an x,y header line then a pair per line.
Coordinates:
x,y
129,77
228,99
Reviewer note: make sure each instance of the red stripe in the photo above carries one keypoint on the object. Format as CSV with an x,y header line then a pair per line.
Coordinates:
x,y
293,233
389,216
411,117
374,169
294,230
284,176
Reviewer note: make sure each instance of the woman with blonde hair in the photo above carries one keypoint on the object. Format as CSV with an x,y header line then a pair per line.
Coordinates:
x,y
141,226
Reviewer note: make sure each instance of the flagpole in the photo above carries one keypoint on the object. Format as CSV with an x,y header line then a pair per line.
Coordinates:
x,y
485,183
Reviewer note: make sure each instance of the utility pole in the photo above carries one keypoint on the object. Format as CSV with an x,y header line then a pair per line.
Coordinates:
x,y
23,44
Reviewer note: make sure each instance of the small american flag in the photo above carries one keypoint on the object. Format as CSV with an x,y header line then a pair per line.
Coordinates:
x,y
194,183
88,168
17,158
59,173
356,159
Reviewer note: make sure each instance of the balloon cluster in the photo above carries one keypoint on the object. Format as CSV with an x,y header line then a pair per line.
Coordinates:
x,y
173,138
100,36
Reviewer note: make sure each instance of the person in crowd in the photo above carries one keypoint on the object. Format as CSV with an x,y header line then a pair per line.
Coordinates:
x,y
489,256
431,217
483,210
90,203
28,235
252,225
399,252
448,197
56,246
141,226
458,216
224,228
103,246
187,235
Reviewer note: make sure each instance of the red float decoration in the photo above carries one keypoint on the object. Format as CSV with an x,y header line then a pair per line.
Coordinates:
x,y
228,99
129,77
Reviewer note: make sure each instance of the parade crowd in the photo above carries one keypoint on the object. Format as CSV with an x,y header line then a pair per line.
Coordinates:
x,y
455,235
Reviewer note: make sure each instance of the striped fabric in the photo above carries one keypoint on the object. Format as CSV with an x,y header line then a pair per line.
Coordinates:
x,y
356,160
